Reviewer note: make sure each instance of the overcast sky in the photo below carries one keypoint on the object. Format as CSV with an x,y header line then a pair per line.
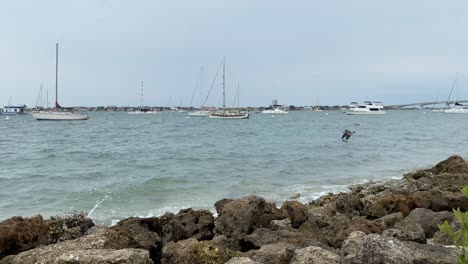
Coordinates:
x,y
395,51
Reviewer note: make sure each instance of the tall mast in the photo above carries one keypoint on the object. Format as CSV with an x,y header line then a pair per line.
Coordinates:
x,y
201,87
56,75
451,90
224,83
141,94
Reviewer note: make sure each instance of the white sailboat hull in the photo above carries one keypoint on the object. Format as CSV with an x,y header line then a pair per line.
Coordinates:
x,y
58,116
274,111
455,111
142,113
229,115
199,114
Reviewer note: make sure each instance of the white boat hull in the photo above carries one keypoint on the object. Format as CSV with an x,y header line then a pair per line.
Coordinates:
x,y
199,114
275,111
455,111
366,112
142,113
59,116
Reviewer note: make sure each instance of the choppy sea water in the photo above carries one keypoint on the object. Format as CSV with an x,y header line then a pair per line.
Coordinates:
x,y
118,165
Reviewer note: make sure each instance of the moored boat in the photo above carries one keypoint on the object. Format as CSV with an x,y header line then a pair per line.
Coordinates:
x,y
366,108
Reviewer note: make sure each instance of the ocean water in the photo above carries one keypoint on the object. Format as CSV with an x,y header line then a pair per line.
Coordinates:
x,y
117,165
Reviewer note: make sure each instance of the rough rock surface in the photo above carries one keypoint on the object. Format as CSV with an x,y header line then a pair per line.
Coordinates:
x,y
105,256
296,212
191,251
68,226
18,234
374,249
242,260
279,253
100,238
429,220
315,255
430,254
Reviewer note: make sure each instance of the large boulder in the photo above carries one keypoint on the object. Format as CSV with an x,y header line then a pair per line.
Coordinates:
x,y
453,165
18,234
238,218
187,223
192,251
99,238
279,253
428,219
374,249
296,212
242,260
405,235
348,204
315,255
68,226
430,254
145,233
390,220
388,204
105,256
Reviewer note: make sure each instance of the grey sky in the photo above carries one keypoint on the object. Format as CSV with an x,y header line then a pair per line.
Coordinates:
x,y
395,51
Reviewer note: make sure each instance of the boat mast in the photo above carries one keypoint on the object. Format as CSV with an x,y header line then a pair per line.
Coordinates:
x,y
450,94
56,76
224,84
201,88
141,94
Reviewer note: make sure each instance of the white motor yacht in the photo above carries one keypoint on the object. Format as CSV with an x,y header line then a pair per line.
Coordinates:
x,y
274,111
366,108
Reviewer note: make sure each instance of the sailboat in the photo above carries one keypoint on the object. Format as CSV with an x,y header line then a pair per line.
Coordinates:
x,y
59,113
143,110
457,108
317,109
201,112
227,113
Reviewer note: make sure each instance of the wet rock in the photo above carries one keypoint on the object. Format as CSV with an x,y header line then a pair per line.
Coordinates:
x,y
18,234
144,231
296,212
106,256
191,251
198,224
100,238
429,220
68,226
220,204
453,165
242,260
241,217
390,220
405,235
315,255
295,196
279,253
430,254
374,249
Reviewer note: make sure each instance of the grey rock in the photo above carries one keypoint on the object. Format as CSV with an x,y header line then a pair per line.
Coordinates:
x,y
315,255
105,256
280,253
374,249
431,254
242,260
191,251
68,226
263,236
429,220
405,235
280,224
390,220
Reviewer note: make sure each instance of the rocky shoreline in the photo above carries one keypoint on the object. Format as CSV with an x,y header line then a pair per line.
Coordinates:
x,y
392,222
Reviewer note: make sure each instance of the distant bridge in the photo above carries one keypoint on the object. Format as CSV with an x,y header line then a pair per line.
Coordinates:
x,y
424,104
